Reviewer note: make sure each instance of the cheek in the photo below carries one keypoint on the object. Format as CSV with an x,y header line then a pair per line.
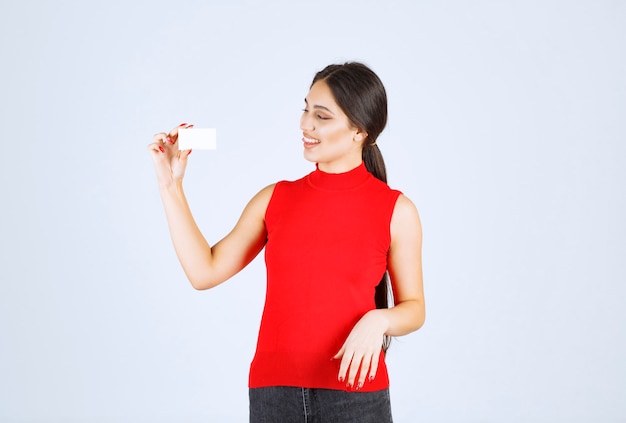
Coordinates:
x,y
336,134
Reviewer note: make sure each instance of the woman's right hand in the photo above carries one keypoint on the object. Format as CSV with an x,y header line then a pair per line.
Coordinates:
x,y
169,162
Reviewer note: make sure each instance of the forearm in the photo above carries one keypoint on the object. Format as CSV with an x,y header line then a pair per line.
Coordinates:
x,y
406,317
192,249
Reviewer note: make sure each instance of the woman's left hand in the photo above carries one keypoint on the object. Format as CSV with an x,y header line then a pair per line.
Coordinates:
x,y
361,351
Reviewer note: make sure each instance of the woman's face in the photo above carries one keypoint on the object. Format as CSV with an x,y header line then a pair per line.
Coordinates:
x,y
329,139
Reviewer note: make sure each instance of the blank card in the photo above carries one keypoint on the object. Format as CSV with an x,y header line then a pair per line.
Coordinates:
x,y
197,139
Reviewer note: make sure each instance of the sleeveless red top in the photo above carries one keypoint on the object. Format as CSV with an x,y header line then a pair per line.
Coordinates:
x,y
327,243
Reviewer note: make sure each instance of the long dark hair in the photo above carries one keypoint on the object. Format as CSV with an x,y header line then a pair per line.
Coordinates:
x,y
362,97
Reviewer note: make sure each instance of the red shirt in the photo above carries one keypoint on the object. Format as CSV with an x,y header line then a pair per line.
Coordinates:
x,y
327,243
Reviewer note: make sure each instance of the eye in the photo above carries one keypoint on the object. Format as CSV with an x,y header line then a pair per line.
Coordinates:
x,y
318,116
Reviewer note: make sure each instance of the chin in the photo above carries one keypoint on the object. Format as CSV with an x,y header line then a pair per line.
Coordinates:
x,y
310,157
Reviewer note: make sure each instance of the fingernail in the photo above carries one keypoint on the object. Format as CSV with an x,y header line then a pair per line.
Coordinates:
x,y
170,140
349,385
189,152
182,124
359,386
190,126
371,378
162,149
341,379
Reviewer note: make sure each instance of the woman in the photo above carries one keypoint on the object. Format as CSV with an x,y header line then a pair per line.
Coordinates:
x,y
329,239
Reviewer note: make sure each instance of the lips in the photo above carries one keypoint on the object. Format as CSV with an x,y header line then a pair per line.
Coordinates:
x,y
310,141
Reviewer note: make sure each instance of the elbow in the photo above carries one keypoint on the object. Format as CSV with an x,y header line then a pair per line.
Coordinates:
x,y
419,322
203,277
202,283
199,285
419,316
413,324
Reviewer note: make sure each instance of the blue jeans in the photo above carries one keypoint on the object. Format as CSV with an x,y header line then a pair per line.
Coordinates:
x,y
285,404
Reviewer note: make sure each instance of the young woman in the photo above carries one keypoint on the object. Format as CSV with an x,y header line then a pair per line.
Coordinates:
x,y
330,239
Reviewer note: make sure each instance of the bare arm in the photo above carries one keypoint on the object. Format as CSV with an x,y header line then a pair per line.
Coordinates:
x,y
205,266
405,271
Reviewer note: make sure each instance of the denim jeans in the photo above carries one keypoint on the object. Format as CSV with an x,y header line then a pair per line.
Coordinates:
x,y
285,404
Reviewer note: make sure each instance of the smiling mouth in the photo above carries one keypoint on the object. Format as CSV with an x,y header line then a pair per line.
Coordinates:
x,y
310,141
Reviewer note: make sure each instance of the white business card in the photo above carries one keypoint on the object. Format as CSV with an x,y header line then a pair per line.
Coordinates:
x,y
197,139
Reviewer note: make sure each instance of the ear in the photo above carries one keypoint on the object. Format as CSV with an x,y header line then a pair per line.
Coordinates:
x,y
359,136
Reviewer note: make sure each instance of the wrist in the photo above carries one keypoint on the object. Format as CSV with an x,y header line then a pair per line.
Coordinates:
x,y
172,188
381,316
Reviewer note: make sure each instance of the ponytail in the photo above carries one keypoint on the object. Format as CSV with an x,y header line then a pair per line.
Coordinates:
x,y
373,160
375,164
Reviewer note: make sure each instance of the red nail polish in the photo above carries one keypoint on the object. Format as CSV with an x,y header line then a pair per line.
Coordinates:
x,y
190,126
189,152
371,378
341,379
162,149
182,124
170,140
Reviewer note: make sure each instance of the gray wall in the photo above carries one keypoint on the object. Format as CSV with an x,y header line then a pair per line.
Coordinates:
x,y
506,129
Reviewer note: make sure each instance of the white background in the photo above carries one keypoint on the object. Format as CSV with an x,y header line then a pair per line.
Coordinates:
x,y
507,129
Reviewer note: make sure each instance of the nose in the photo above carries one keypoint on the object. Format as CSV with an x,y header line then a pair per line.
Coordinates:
x,y
306,122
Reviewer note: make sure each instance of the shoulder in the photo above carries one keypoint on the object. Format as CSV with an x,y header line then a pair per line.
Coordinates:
x,y
405,217
268,190
381,192
286,187
258,204
404,205
265,194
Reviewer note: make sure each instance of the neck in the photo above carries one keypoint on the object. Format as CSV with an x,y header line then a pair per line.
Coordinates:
x,y
340,167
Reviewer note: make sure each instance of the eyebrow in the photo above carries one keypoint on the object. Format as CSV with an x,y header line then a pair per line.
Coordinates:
x,y
318,106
